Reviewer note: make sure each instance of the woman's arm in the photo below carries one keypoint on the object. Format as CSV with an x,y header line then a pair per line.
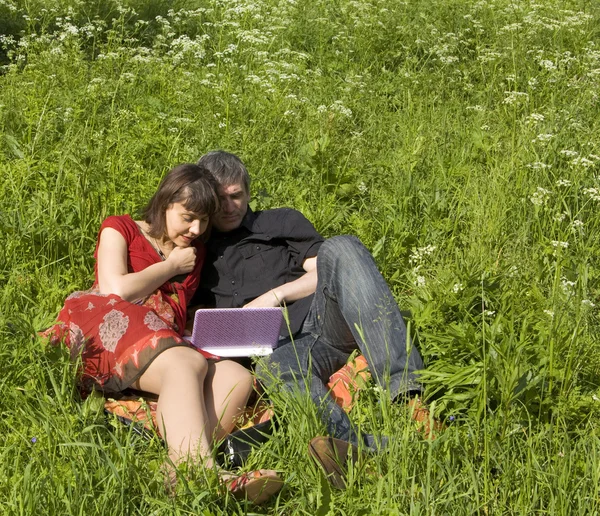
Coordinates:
x,y
303,286
114,278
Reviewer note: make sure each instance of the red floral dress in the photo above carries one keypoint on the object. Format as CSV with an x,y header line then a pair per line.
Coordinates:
x,y
118,339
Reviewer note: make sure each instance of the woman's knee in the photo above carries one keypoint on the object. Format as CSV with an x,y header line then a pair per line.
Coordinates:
x,y
182,360
233,372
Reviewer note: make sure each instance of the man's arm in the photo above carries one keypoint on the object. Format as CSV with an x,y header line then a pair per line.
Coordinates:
x,y
304,286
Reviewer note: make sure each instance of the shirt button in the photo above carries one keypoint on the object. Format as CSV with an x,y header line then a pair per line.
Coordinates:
x,y
258,247
235,293
232,282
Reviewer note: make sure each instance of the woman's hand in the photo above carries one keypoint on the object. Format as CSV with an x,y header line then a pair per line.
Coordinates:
x,y
115,278
182,259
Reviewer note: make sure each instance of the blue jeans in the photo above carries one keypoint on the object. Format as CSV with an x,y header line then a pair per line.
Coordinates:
x,y
352,309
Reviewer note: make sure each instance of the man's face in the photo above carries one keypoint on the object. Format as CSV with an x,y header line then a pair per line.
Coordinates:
x,y
234,204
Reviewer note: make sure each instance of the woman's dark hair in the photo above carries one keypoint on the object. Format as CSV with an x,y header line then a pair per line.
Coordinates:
x,y
191,185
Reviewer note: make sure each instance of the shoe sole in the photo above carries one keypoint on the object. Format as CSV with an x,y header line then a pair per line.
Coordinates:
x,y
259,490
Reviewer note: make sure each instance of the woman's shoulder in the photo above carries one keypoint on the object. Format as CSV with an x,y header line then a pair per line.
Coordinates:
x,y
124,224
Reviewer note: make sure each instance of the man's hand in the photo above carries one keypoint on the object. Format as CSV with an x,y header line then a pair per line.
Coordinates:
x,y
268,299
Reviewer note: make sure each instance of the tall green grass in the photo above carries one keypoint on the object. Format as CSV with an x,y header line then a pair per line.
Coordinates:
x,y
460,141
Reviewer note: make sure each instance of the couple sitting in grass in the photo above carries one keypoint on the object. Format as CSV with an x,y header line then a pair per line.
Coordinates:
x,y
128,328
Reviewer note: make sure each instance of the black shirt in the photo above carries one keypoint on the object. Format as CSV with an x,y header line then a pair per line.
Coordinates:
x,y
266,251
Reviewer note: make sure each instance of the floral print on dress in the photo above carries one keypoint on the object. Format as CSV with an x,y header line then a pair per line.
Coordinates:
x,y
77,294
164,310
76,339
154,322
112,329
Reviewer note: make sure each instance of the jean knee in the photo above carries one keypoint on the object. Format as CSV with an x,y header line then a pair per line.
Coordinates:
x,y
343,248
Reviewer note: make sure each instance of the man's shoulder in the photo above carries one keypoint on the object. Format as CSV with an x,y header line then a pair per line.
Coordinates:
x,y
275,214
277,220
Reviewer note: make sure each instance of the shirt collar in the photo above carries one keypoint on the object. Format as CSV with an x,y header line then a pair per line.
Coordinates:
x,y
248,220
247,224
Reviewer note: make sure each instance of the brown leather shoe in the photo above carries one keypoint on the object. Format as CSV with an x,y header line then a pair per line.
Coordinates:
x,y
333,455
428,426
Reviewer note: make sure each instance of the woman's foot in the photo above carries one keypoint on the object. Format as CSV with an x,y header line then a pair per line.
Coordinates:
x,y
256,486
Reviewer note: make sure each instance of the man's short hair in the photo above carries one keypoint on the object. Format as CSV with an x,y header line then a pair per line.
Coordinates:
x,y
227,168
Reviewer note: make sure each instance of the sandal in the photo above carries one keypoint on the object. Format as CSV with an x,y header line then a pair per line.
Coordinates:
x,y
256,486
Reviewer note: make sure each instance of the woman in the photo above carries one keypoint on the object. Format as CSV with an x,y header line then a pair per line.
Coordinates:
x,y
128,327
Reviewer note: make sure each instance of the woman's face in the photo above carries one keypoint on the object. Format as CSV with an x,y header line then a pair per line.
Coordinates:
x,y
184,226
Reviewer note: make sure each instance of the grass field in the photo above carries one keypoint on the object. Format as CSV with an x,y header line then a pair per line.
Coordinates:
x,y
460,141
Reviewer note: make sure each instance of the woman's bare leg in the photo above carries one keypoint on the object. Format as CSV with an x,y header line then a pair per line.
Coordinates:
x,y
177,375
227,387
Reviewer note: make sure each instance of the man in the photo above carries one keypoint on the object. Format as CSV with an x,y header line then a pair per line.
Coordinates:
x,y
336,298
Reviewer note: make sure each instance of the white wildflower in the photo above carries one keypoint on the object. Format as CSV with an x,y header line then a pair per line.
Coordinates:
x,y
338,107
515,97
487,56
558,243
420,253
538,165
569,153
567,285
542,138
547,64
489,313
592,193
511,27
583,162
563,182
560,217
540,196
576,224
448,59
549,312
420,281
587,303
457,288
534,119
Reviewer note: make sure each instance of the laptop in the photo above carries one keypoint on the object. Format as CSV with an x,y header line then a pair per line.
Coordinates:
x,y
236,332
